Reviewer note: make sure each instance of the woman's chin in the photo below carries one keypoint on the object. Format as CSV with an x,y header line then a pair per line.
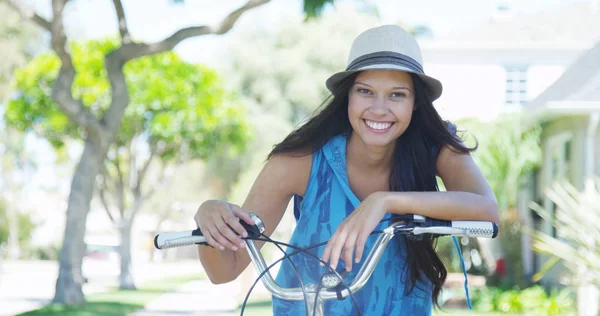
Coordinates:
x,y
377,140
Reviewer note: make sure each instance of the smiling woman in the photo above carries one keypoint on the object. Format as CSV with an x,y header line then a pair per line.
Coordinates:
x,y
373,151
380,106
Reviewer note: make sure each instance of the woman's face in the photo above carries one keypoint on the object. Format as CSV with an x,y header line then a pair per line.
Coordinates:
x,y
380,105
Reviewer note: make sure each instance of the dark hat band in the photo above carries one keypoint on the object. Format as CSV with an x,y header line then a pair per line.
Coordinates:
x,y
379,58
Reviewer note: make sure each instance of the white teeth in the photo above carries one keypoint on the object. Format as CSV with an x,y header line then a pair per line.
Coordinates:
x,y
377,125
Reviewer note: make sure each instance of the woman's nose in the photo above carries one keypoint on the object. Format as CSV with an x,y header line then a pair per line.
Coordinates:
x,y
378,106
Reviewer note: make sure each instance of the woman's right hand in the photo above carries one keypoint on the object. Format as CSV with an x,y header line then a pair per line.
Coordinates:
x,y
219,222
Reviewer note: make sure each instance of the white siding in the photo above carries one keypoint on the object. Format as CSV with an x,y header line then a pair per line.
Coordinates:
x,y
469,90
540,77
480,90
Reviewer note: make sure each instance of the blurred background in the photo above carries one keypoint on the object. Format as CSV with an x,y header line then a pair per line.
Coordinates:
x,y
119,118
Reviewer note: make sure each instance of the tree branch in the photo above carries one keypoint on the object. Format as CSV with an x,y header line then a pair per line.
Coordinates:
x,y
164,180
105,204
120,188
132,50
102,188
142,173
116,59
28,12
123,30
61,91
132,177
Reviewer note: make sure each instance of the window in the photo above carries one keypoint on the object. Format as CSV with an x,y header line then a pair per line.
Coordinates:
x,y
516,85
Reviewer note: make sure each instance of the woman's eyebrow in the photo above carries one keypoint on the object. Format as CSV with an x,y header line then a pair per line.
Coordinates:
x,y
362,83
400,87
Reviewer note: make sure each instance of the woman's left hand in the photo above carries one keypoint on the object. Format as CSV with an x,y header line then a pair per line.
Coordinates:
x,y
353,231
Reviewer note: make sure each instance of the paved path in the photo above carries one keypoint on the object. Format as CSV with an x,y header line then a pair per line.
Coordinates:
x,y
195,298
29,285
204,298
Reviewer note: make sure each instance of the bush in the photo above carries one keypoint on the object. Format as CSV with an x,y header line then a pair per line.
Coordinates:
x,y
530,301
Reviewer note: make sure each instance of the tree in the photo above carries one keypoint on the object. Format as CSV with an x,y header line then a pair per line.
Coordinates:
x,y
280,73
283,71
100,129
177,112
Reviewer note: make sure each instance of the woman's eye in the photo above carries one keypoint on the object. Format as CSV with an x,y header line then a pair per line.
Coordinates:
x,y
398,95
362,90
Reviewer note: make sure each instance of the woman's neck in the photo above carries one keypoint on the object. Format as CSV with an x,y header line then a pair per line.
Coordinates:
x,y
375,158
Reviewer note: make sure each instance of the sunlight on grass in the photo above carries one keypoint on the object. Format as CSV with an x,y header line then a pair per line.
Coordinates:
x,y
117,302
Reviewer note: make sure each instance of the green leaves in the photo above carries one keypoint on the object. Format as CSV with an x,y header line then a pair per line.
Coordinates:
x,y
506,152
577,242
530,301
313,8
173,103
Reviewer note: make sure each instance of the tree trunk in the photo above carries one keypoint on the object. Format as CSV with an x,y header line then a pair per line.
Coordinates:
x,y
12,246
126,277
70,280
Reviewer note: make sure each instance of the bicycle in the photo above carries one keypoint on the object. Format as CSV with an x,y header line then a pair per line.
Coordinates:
x,y
332,285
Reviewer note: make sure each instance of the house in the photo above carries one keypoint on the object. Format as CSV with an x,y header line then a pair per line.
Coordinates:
x,y
548,66
501,65
570,111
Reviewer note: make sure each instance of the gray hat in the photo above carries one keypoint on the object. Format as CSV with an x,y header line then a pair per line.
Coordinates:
x,y
386,47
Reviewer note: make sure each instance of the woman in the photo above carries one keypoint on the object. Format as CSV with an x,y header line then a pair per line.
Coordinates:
x,y
372,152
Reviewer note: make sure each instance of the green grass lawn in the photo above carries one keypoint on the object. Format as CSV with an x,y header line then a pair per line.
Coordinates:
x,y
117,302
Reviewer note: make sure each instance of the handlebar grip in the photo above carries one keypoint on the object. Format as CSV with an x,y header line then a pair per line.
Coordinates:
x,y
191,237
179,239
477,228
432,228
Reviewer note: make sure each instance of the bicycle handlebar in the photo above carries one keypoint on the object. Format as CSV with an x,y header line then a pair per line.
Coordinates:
x,y
412,225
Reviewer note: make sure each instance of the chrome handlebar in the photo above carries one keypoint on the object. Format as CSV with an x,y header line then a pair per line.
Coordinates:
x,y
412,225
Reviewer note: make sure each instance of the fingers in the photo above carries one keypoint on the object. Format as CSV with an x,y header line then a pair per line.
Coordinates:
x,y
360,247
219,222
348,251
222,240
234,223
211,241
241,214
342,245
334,248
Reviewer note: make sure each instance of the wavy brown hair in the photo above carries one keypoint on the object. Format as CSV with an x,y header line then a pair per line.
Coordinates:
x,y
413,164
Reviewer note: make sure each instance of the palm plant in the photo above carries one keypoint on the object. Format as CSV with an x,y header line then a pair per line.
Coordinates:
x,y
577,241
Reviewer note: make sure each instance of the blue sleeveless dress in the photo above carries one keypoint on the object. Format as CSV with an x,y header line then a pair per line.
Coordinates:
x,y
327,202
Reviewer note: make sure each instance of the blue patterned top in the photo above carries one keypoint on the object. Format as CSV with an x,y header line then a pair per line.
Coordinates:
x,y
328,200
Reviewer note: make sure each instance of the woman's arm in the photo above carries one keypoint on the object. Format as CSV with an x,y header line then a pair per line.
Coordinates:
x,y
281,178
468,195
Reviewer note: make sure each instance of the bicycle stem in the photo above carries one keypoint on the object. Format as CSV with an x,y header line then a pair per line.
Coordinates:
x,y
297,294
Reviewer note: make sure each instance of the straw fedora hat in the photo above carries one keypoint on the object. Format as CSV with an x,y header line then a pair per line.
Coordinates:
x,y
386,47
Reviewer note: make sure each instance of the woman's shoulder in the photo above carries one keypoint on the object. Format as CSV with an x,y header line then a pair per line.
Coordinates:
x,y
291,168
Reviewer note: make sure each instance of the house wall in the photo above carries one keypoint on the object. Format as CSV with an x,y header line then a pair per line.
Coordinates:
x,y
554,137
597,153
479,90
567,126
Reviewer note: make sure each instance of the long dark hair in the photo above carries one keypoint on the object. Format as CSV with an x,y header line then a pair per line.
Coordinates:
x,y
413,163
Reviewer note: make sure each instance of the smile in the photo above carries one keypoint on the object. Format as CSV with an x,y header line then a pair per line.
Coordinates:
x,y
378,126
